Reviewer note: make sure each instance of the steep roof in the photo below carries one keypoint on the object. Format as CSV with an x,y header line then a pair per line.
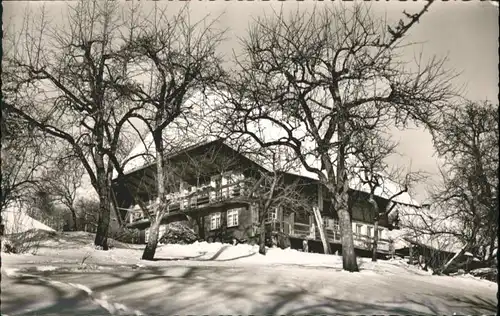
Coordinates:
x,y
185,133
388,188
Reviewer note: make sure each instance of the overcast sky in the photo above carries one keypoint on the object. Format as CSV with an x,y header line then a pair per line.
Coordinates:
x,y
465,31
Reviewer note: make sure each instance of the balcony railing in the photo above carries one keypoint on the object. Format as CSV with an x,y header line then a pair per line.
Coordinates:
x,y
303,230
201,197
333,235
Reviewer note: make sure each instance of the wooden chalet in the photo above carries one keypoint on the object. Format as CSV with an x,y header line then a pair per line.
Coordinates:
x,y
207,185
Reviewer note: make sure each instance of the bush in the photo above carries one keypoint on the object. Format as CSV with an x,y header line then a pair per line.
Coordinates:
x,y
489,274
278,239
178,233
28,241
7,246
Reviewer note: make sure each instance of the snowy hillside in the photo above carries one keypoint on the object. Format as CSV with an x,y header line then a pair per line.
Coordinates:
x,y
15,220
68,276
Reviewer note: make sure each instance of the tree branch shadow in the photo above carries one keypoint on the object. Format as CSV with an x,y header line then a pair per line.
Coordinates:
x,y
184,289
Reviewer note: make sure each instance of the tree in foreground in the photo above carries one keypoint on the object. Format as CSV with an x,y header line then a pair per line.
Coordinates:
x,y
376,175
467,198
315,80
273,189
23,158
173,60
62,81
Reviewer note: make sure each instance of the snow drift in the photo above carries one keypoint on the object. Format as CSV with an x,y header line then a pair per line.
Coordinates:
x,y
15,220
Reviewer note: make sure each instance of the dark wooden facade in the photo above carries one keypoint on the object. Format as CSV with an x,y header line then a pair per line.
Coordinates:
x,y
207,186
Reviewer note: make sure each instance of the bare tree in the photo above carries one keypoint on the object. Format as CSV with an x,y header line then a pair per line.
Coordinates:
x,y
61,181
88,214
180,59
272,191
22,158
269,187
41,206
467,140
263,189
316,80
374,172
62,80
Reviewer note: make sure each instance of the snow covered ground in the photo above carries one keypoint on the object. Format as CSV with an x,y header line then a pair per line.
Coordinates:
x,y
68,276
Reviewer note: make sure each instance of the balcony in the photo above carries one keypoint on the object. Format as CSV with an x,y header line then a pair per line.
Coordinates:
x,y
198,198
333,235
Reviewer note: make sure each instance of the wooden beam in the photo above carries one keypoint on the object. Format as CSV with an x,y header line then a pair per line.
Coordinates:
x,y
320,197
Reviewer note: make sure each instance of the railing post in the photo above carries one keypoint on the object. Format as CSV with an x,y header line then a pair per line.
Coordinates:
x,y
312,230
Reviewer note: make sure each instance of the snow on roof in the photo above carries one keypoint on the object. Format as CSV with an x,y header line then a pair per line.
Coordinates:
x,y
145,153
183,133
388,189
15,220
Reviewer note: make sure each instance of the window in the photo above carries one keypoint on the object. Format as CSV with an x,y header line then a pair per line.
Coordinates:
x,y
358,229
336,229
215,221
302,217
272,214
380,231
336,225
232,217
369,231
331,223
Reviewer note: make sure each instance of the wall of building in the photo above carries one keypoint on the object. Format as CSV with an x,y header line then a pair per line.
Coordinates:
x,y
243,231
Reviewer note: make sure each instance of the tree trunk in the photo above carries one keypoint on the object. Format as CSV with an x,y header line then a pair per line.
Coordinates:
x,y
262,231
154,231
85,221
262,240
74,217
447,264
410,249
340,194
101,237
200,222
491,257
349,262
321,229
376,213
375,240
